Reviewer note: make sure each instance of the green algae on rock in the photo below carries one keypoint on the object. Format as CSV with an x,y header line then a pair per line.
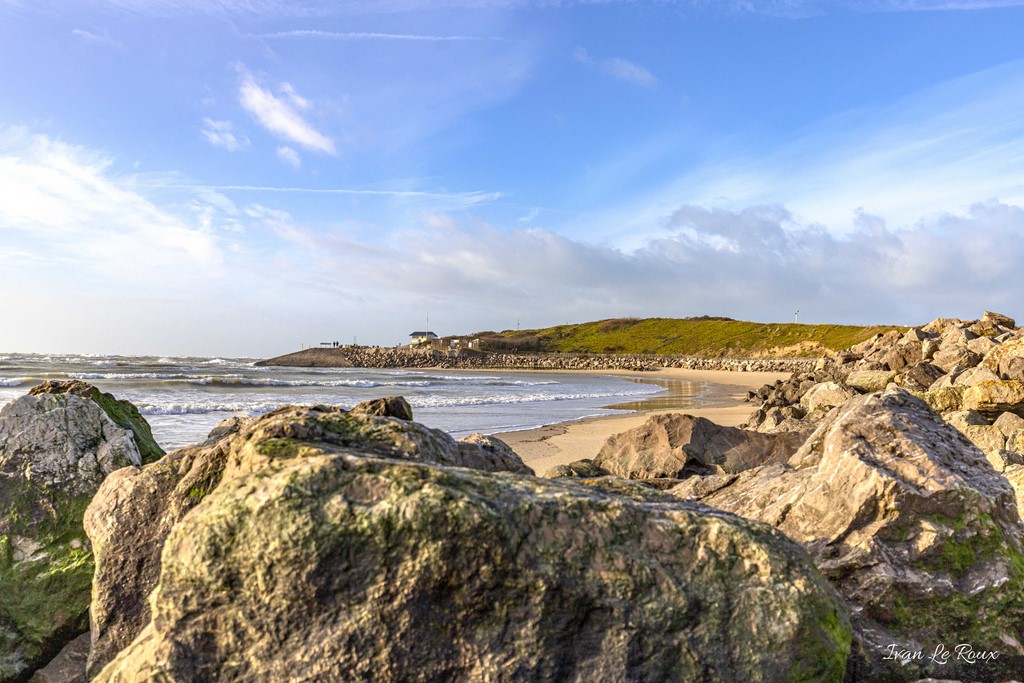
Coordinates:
x,y
357,567
55,450
134,511
910,522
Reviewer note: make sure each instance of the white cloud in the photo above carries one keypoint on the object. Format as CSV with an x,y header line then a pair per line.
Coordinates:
x,y
322,8
439,200
66,202
300,102
364,35
280,117
616,67
221,134
97,39
289,156
757,263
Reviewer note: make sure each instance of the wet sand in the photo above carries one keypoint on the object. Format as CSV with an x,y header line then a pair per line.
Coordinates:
x,y
715,394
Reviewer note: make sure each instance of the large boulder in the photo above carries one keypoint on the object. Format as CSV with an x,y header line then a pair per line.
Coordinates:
x,y
825,395
867,381
907,518
994,397
578,469
491,454
55,450
676,446
121,412
1007,359
347,566
136,508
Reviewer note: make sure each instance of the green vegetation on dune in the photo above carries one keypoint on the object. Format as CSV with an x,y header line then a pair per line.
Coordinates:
x,y
705,336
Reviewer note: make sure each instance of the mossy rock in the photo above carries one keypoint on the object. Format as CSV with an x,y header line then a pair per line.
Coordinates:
x,y
123,413
376,569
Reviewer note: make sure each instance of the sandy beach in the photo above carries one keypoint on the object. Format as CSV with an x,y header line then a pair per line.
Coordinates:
x,y
715,394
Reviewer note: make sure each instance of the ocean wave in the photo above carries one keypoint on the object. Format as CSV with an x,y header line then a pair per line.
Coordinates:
x,y
233,407
236,380
509,399
14,381
128,375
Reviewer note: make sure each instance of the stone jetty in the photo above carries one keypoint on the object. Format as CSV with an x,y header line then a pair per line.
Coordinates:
x,y
405,357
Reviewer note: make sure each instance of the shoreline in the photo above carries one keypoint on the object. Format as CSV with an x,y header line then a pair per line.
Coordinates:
x,y
722,401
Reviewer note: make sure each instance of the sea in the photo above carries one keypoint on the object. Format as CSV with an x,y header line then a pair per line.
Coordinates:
x,y
183,398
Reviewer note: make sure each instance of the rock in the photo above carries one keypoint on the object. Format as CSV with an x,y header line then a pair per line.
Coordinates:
x,y
123,413
903,355
989,441
676,446
993,319
389,406
226,428
964,418
939,325
362,568
929,348
825,395
1007,359
921,376
135,509
994,397
1015,475
973,376
982,345
948,357
579,469
868,381
68,666
1008,423
55,450
491,454
906,517
945,399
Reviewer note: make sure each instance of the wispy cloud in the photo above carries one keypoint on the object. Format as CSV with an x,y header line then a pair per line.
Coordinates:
x,y
464,199
221,134
67,200
368,35
322,8
98,39
289,156
279,115
618,68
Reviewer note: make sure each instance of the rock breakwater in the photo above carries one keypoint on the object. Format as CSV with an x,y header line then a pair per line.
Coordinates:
x,y
405,357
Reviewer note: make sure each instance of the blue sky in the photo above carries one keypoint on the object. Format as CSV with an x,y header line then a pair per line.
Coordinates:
x,y
239,177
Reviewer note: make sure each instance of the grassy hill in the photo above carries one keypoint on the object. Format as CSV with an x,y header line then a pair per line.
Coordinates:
x,y
705,336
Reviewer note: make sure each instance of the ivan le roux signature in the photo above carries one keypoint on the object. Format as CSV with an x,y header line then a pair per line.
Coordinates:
x,y
963,652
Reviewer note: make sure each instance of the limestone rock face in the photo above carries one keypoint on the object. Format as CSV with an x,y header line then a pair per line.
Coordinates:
x,y
133,512
905,516
676,446
55,450
362,568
